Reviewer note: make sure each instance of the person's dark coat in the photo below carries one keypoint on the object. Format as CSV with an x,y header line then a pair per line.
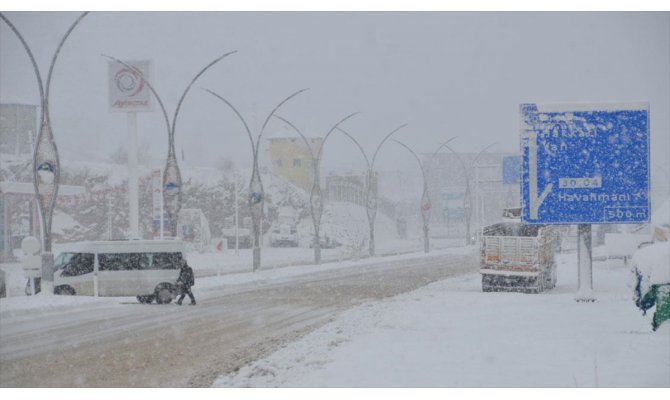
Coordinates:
x,y
184,283
186,278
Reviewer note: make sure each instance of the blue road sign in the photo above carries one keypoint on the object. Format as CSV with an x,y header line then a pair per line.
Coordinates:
x,y
585,163
511,168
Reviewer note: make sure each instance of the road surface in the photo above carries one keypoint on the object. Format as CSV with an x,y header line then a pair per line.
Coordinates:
x,y
127,344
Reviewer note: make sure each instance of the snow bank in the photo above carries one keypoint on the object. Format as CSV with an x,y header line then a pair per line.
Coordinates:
x,y
653,262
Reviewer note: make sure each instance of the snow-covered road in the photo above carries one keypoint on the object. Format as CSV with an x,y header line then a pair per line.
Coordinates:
x,y
451,334
86,342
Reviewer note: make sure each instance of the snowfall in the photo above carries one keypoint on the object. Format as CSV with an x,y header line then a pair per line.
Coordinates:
x,y
450,334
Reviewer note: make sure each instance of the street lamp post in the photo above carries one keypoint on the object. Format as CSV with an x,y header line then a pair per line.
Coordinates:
x,y
46,165
315,200
425,198
370,199
172,190
467,198
256,193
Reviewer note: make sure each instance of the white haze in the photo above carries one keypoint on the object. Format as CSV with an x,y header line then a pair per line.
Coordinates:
x,y
444,73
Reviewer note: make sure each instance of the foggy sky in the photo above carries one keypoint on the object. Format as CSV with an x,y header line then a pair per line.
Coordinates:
x,y
445,74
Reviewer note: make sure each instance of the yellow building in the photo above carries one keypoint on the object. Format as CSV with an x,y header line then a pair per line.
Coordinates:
x,y
291,159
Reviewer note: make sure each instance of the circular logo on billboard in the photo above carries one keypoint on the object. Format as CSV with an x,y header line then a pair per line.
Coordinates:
x,y
129,82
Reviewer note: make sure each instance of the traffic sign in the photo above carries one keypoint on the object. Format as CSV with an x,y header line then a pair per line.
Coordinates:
x,y
511,169
585,163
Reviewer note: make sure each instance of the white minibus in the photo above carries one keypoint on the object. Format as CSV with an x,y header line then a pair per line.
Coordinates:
x,y
147,269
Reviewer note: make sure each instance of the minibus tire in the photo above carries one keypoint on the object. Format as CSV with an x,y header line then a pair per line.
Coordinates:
x,y
64,290
146,299
163,293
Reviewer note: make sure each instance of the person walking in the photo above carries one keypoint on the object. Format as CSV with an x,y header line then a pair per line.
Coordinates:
x,y
184,283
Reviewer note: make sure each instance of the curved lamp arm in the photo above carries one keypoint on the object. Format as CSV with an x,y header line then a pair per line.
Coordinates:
x,y
195,78
53,60
246,127
384,140
357,145
332,130
30,55
281,103
423,171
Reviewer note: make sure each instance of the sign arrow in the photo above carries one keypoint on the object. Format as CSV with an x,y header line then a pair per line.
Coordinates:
x,y
535,201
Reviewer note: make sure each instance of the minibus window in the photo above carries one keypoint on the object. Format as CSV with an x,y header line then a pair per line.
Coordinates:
x,y
79,264
166,261
137,261
110,262
62,260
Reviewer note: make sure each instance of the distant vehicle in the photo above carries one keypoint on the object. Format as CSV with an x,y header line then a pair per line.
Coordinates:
x,y
516,257
285,232
244,239
325,242
147,269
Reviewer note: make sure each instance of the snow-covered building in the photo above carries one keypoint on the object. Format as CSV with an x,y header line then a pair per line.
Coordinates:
x,y
291,159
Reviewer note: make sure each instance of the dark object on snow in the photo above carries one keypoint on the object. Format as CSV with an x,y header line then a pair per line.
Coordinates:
x,y
184,283
658,295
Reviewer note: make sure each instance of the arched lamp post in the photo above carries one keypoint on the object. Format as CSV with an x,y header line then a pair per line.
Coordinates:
x,y
467,198
256,193
425,197
46,165
370,199
315,199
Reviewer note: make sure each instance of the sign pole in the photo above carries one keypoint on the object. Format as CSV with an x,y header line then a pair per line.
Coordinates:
x,y
133,198
237,223
162,214
584,264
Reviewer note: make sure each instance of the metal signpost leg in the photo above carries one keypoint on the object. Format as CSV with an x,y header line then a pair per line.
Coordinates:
x,y
133,198
585,266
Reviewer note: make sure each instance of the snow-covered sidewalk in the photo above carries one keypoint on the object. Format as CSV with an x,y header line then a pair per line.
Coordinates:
x,y
450,334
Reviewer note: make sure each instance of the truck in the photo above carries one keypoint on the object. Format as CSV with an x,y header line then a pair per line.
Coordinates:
x,y
517,257
285,232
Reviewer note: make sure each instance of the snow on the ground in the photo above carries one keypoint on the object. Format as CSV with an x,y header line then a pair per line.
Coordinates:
x,y
447,334
450,334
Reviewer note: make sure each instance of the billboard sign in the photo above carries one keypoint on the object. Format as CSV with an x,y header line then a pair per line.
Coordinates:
x,y
454,205
128,91
585,163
